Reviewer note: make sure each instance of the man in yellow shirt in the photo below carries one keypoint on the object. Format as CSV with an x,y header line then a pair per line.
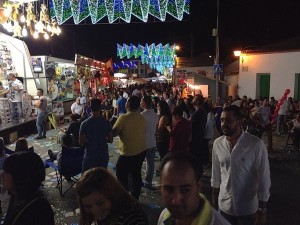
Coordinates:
x,y
131,128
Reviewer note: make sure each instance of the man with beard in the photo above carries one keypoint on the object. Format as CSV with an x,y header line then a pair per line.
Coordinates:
x,y
240,172
180,193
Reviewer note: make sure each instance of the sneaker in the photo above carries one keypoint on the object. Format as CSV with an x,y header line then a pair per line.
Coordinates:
x,y
44,136
51,155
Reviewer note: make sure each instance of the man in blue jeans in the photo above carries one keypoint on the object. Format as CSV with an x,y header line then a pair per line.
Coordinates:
x,y
151,127
42,114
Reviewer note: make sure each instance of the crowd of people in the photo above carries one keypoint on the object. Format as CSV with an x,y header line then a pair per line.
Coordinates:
x,y
157,117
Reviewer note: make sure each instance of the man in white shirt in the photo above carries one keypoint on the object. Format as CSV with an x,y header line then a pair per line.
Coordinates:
x,y
151,127
240,172
281,119
180,193
77,108
15,96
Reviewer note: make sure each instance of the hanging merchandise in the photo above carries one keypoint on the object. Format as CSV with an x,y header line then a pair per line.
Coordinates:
x,y
23,17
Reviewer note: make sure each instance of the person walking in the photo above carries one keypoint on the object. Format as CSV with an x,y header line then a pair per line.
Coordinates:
x,y
151,127
131,128
240,172
94,134
198,121
41,105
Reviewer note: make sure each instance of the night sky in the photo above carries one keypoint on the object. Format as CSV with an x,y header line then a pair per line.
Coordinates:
x,y
241,23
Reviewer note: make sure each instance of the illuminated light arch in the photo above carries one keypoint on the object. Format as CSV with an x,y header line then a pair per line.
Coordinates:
x,y
62,10
158,57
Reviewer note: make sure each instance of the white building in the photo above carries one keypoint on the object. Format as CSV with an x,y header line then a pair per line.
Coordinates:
x,y
269,74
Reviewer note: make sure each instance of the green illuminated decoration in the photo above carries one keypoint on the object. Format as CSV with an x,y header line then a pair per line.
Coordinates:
x,y
158,57
116,10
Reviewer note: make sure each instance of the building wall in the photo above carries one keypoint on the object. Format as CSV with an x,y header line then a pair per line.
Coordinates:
x,y
282,68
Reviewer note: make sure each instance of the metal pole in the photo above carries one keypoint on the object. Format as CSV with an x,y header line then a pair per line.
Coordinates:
x,y
217,60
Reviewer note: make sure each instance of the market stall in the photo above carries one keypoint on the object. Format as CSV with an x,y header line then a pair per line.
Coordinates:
x,y
92,74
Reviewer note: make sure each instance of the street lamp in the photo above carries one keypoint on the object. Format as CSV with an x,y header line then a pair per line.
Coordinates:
x,y
237,53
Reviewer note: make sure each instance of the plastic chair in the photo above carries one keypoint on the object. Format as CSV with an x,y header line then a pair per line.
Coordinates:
x,y
69,167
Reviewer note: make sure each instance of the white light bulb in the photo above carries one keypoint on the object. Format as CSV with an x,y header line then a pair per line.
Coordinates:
x,y
46,36
58,30
4,25
24,32
9,27
36,35
36,25
49,29
7,12
22,19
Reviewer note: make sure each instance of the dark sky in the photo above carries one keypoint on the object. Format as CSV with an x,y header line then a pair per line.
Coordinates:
x,y
241,23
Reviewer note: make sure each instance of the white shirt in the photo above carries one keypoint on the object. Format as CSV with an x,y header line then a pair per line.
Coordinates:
x,y
77,109
243,175
151,126
265,112
15,95
125,95
82,100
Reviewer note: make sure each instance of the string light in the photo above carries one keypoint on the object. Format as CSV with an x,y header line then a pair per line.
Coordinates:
x,y
24,32
46,36
36,35
22,19
62,10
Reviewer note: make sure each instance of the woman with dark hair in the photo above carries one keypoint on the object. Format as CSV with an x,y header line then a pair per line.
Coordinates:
x,y
155,101
23,174
103,200
162,133
185,112
22,145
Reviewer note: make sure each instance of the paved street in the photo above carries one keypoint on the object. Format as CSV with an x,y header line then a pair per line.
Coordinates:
x,y
282,209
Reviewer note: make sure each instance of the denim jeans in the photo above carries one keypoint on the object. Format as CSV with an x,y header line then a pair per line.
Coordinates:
x,y
16,109
95,162
41,123
281,124
150,156
131,165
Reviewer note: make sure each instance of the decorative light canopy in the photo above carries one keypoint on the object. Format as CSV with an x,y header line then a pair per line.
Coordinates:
x,y
62,10
158,57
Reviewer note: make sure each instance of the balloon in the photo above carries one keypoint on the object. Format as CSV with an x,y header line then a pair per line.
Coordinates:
x,y
287,91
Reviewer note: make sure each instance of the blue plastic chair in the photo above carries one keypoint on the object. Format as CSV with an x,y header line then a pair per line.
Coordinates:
x,y
69,167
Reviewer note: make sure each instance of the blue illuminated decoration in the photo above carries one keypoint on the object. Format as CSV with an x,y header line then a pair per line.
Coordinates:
x,y
125,65
115,10
158,57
